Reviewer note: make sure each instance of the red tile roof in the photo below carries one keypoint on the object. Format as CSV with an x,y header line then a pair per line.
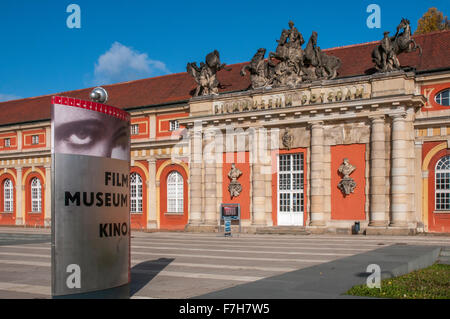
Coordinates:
x,y
356,60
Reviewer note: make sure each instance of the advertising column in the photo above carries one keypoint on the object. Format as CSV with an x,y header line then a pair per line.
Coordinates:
x,y
90,200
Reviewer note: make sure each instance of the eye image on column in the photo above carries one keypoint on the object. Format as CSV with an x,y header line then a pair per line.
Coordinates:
x,y
89,132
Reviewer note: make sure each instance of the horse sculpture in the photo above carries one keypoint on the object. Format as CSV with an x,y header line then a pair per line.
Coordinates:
x,y
385,54
317,63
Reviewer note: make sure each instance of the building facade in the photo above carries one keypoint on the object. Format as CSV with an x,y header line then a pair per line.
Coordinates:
x,y
372,147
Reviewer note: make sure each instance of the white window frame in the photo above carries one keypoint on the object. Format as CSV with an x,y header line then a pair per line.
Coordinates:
x,y
134,129
136,196
34,139
8,196
438,97
7,142
36,195
175,193
442,185
174,125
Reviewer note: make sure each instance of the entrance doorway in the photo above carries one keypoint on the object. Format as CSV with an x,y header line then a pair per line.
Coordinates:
x,y
290,189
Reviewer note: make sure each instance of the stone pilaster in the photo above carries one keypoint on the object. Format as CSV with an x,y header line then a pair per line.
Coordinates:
x,y
48,136
19,140
152,126
377,172
48,196
399,172
317,206
195,172
418,185
151,195
19,198
410,172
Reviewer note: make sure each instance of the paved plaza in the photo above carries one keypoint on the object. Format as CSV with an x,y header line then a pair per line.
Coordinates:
x,y
209,265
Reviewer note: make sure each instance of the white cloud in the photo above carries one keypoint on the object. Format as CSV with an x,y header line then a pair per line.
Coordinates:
x,y
121,63
8,97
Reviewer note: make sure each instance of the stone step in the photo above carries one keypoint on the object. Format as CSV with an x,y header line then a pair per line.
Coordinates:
x,y
285,230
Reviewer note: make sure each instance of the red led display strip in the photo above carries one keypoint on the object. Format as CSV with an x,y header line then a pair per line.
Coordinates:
x,y
93,106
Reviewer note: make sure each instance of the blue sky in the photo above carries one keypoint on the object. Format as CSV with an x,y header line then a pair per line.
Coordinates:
x,y
129,40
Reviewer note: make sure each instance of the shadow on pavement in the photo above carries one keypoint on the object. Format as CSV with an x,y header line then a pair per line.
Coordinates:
x,y
143,273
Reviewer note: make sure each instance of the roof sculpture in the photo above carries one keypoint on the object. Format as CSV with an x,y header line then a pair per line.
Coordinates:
x,y
385,54
356,60
290,65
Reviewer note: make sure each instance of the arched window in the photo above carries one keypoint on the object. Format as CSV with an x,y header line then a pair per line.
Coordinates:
x,y
175,192
442,188
443,97
8,196
36,195
136,193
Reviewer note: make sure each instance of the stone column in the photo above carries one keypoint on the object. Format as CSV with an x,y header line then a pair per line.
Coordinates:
x,y
269,194
210,184
317,216
258,180
377,172
152,199
399,172
195,172
274,145
20,201
48,197
326,183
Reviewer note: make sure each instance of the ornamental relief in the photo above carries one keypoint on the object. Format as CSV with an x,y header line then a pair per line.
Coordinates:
x,y
347,185
294,137
235,188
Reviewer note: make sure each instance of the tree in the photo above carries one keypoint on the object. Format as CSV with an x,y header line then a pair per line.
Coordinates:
x,y
432,20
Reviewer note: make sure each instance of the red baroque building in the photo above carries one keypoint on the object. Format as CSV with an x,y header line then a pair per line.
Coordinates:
x,y
364,146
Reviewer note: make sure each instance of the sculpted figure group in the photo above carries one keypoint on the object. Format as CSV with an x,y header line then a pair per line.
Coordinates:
x,y
205,75
290,65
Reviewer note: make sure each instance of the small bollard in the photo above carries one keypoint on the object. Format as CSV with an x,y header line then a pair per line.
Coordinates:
x,y
356,227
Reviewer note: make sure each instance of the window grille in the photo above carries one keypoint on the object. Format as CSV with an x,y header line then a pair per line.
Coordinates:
x,y
136,193
442,181
8,196
175,193
36,195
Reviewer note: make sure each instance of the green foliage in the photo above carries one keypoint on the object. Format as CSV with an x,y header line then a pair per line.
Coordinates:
x,y
432,20
429,283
